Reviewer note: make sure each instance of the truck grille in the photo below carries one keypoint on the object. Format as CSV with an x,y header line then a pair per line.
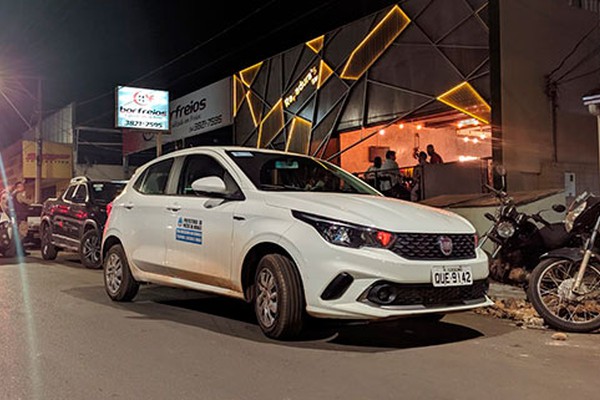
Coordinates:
x,y
426,246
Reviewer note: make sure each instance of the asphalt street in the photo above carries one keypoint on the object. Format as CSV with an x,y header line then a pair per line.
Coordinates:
x,y
62,338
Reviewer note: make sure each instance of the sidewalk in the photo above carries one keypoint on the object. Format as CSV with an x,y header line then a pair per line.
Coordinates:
x,y
510,303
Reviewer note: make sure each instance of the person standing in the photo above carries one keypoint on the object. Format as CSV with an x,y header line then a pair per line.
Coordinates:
x,y
434,157
391,173
415,192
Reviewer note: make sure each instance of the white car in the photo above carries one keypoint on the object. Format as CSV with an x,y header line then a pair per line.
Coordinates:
x,y
292,234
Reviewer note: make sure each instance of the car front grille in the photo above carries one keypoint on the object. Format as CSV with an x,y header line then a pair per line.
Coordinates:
x,y
429,296
426,246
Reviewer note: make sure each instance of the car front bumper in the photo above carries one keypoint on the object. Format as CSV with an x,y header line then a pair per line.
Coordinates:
x,y
339,282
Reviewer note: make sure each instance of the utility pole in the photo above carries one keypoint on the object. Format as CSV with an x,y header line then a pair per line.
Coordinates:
x,y
39,145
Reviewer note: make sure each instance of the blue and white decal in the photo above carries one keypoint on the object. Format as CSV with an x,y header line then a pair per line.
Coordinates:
x,y
189,230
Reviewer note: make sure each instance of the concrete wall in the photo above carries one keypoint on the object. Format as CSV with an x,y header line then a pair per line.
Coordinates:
x,y
535,37
100,171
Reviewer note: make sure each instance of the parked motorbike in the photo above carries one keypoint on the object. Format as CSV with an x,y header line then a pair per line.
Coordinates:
x,y
520,239
564,287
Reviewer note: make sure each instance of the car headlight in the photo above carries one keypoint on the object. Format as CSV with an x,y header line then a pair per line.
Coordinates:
x,y
345,234
505,229
572,216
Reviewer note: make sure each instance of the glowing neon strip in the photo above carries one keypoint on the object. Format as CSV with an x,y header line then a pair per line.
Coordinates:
x,y
461,109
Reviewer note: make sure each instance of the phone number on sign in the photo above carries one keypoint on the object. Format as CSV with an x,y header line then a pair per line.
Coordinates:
x,y
145,124
206,123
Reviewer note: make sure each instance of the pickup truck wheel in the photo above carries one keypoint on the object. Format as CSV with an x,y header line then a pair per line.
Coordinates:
x,y
89,249
279,300
48,250
119,283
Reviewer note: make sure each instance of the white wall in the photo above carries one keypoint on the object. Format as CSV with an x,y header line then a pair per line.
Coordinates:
x,y
536,36
100,171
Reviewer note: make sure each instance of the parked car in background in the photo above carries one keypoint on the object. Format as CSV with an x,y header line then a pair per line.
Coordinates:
x,y
291,234
75,221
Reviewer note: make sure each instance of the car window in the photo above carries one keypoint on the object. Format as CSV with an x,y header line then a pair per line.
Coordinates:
x,y
289,172
69,193
105,192
80,195
154,179
201,166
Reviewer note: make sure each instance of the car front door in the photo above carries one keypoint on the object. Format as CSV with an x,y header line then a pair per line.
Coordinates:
x,y
200,226
76,214
144,215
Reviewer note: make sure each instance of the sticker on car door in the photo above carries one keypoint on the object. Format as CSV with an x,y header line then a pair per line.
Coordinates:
x,y
189,230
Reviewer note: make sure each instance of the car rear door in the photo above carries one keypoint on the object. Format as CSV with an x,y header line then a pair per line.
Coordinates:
x,y
142,217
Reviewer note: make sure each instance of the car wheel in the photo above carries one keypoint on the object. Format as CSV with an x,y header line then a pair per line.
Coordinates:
x,y
279,299
48,250
89,249
119,283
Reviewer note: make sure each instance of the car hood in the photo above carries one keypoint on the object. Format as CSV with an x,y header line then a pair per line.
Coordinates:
x,y
374,211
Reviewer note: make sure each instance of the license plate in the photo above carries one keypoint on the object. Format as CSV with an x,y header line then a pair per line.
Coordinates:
x,y
451,276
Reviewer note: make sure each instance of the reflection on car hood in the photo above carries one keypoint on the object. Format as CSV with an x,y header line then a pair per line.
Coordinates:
x,y
375,211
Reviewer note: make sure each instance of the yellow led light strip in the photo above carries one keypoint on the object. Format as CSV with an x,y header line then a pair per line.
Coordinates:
x,y
316,44
253,113
238,94
466,90
376,42
296,129
275,112
249,74
324,73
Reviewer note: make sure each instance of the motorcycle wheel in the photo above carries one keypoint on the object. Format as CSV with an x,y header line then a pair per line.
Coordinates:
x,y
550,294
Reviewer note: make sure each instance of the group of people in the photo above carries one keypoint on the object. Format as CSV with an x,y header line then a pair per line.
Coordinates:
x,y
385,175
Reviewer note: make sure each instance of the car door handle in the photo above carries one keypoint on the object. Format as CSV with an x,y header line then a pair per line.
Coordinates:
x,y
174,208
128,206
239,218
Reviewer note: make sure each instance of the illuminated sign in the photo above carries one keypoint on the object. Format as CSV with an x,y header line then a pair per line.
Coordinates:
x,y
145,109
312,77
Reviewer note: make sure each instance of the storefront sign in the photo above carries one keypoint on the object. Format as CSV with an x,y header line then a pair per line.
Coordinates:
x,y
198,112
144,109
57,160
311,77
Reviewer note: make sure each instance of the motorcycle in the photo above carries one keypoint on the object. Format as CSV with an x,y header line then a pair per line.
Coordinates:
x,y
8,246
520,239
564,287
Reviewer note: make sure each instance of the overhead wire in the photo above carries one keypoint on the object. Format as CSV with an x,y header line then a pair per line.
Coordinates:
x,y
186,53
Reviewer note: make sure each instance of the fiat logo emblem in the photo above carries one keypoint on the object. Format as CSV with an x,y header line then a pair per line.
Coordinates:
x,y
445,245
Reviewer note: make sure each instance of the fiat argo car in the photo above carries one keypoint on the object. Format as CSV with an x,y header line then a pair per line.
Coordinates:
x,y
294,235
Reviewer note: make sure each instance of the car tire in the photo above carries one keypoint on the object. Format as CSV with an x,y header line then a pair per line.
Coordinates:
x,y
279,300
89,249
48,250
119,283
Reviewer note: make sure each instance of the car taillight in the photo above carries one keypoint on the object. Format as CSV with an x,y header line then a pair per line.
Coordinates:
x,y
109,207
476,240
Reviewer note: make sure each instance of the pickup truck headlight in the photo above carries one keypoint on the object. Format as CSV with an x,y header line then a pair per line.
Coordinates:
x,y
345,234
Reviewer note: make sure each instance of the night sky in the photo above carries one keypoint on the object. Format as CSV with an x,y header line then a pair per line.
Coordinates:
x,y
83,49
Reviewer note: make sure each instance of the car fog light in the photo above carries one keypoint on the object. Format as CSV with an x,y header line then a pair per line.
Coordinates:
x,y
383,294
505,229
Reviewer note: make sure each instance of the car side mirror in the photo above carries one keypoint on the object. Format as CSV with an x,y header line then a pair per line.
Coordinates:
x,y
559,208
210,185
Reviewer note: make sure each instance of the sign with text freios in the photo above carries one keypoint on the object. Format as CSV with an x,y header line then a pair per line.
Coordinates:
x,y
144,109
57,160
204,110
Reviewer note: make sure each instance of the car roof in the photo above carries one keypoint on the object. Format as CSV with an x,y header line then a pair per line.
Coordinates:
x,y
223,149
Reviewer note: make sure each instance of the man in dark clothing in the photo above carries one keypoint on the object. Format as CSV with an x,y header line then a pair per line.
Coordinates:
x,y
434,158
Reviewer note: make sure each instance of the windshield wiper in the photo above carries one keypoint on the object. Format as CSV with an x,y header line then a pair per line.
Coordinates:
x,y
269,186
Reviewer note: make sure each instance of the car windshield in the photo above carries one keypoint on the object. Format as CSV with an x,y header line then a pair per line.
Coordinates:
x,y
105,192
283,172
